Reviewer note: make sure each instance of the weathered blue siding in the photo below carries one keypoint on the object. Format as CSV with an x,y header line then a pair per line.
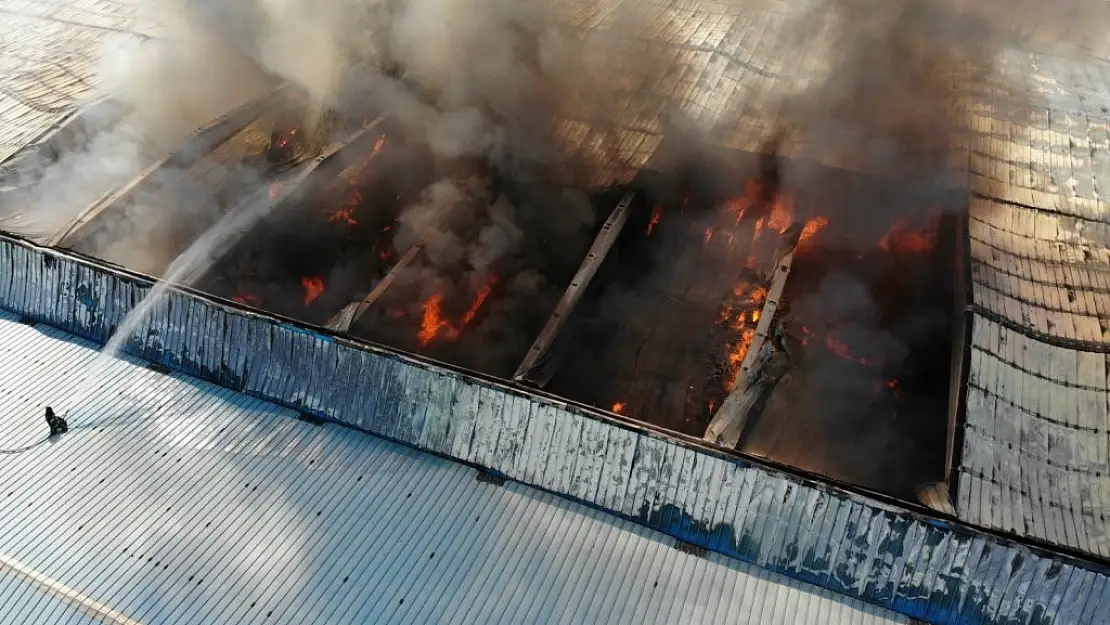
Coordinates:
x,y
810,531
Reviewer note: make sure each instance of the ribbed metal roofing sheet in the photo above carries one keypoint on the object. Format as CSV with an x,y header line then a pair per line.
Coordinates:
x,y
172,500
1036,436
48,59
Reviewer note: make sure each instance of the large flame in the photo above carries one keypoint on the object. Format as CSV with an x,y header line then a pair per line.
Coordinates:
x,y
810,230
432,322
741,315
434,326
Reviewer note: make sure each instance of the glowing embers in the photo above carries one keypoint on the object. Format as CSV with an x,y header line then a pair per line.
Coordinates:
x,y
346,211
865,333
656,216
330,238
434,326
902,238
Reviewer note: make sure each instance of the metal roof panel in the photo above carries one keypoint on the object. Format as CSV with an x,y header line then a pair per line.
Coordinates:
x,y
172,500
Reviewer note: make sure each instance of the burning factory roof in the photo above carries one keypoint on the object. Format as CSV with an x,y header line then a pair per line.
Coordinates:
x,y
864,241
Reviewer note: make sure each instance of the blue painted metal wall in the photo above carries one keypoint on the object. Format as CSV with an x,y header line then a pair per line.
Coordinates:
x,y
810,531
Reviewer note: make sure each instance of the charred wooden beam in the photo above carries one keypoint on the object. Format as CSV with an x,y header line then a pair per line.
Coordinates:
x,y
306,171
729,421
193,149
573,294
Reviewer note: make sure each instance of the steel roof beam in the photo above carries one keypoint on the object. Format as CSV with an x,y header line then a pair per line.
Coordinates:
x,y
529,369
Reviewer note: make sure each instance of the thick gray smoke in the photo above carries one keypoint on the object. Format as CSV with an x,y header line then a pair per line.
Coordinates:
x,y
155,91
485,86
903,77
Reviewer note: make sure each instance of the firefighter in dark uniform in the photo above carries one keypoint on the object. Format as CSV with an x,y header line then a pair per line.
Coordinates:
x,y
57,424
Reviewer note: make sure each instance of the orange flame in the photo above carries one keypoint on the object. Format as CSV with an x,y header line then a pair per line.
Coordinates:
x,y
812,227
618,407
656,215
708,235
483,294
758,230
742,319
433,324
902,239
313,287
782,214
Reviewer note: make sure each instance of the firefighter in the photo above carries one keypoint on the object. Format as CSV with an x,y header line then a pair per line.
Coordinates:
x,y
57,424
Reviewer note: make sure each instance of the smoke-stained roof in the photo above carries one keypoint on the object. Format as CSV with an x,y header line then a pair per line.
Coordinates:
x,y
172,500
48,59
1036,145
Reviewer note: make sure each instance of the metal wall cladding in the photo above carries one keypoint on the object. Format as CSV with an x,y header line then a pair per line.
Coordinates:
x,y
812,532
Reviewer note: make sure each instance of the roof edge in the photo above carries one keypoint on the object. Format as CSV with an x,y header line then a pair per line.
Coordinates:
x,y
927,568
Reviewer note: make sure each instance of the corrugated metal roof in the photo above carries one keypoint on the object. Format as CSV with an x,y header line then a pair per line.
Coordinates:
x,y
1036,452
48,59
26,602
1036,437
1040,253
846,542
172,500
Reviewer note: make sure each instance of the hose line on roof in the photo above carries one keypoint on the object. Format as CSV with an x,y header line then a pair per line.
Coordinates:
x,y
19,450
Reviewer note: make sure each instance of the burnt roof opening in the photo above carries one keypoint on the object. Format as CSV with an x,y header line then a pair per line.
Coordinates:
x,y
656,300
864,323
478,313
